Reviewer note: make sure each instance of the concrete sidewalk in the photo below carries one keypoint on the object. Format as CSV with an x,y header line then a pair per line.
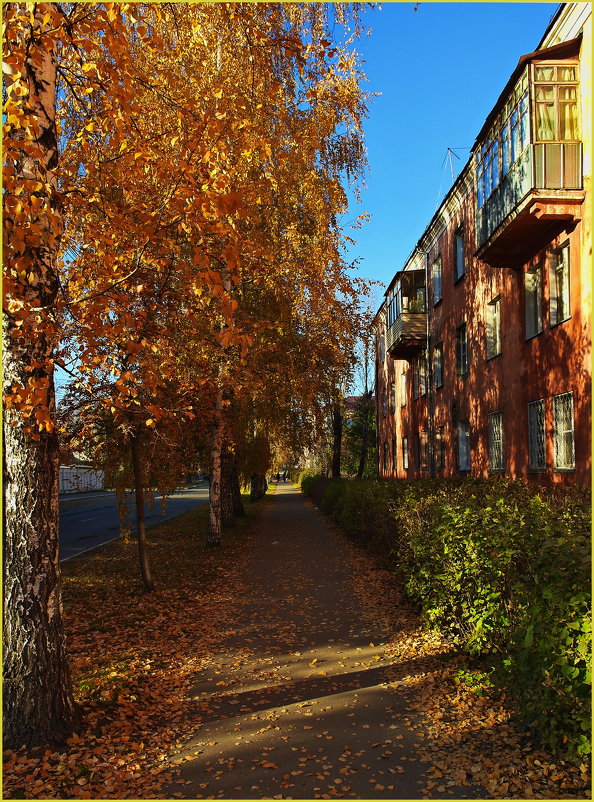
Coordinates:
x,y
303,698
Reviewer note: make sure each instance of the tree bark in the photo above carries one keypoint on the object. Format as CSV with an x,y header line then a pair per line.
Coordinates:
x,y
259,486
37,696
145,568
336,438
213,537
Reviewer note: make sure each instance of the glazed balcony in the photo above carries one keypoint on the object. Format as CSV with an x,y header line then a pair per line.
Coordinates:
x,y
528,159
539,197
406,315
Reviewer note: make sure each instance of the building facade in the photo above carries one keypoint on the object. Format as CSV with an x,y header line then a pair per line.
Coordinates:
x,y
483,341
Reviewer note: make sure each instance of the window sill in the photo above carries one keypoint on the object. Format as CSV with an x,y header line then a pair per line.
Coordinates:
x,y
564,470
459,279
537,470
534,336
560,322
437,303
491,358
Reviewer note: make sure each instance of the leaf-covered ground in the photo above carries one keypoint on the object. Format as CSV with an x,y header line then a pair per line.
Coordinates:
x,y
285,665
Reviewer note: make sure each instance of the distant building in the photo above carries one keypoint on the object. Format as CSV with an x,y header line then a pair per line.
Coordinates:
x,y
79,477
483,342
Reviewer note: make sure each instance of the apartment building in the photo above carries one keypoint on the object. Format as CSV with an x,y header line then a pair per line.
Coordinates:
x,y
483,341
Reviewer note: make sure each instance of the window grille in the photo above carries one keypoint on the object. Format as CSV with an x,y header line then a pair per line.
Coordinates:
x,y
461,350
536,436
496,456
441,447
463,446
423,450
563,432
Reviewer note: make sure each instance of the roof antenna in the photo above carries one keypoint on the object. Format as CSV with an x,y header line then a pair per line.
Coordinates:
x,y
449,154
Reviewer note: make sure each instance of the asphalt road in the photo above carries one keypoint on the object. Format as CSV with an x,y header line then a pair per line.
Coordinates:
x,y
88,520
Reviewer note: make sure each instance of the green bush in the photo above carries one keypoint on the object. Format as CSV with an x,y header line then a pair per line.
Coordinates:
x,y
503,569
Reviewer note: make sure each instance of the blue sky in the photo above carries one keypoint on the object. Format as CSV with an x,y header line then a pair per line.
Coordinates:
x,y
440,71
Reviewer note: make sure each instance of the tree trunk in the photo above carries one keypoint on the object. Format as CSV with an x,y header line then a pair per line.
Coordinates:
x,y
336,439
227,509
145,568
365,436
259,486
213,537
238,509
37,694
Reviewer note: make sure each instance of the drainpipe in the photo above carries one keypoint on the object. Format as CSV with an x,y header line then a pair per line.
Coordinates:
x,y
430,399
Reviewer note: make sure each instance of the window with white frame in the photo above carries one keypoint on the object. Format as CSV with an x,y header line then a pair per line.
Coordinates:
x,y
533,296
559,278
463,446
494,328
461,350
403,388
563,434
496,455
437,284
405,453
438,365
536,436
459,255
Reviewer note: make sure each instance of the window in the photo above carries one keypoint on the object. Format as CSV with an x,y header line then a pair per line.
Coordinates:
x,y
563,432
437,289
393,397
415,379
463,446
459,261
403,388
438,365
496,457
494,328
385,457
423,375
394,454
533,296
461,350
556,102
405,453
423,451
536,436
440,447
559,273
505,143
382,346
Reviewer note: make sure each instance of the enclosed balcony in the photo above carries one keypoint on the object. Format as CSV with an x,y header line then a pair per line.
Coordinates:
x,y
406,315
528,160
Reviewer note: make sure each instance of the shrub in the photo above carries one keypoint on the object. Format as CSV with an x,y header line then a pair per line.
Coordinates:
x,y
503,569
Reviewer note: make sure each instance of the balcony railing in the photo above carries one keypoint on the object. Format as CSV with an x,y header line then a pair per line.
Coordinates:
x,y
407,335
549,172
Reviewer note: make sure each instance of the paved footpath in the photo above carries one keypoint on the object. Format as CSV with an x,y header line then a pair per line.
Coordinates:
x,y
303,701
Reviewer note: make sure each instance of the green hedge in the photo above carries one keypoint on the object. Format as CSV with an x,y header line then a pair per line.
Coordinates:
x,y
503,569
